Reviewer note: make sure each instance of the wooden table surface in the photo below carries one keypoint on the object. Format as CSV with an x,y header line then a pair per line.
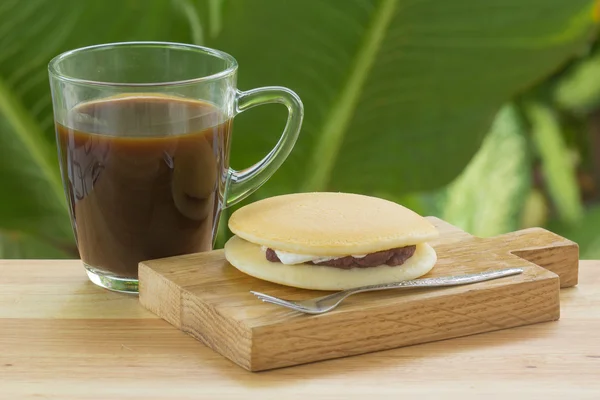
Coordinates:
x,y
61,337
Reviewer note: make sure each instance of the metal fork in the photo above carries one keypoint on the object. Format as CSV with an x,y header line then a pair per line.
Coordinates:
x,y
321,305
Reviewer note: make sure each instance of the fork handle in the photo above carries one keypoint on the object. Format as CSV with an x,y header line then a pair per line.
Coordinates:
x,y
440,281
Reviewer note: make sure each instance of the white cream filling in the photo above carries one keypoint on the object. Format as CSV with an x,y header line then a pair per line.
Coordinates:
x,y
293,258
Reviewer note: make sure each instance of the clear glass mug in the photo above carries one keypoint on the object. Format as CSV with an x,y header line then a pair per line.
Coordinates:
x,y
143,132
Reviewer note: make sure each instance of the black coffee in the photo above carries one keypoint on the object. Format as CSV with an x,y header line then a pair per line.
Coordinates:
x,y
144,178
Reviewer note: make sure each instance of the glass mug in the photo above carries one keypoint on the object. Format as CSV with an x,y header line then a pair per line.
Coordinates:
x,y
143,132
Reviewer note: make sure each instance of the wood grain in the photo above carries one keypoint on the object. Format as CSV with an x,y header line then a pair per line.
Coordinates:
x,y
204,296
536,245
63,338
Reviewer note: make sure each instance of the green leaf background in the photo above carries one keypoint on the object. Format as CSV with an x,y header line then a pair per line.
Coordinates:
x,y
416,100
399,95
495,185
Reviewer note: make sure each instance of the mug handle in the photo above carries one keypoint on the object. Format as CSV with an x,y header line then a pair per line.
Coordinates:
x,y
241,184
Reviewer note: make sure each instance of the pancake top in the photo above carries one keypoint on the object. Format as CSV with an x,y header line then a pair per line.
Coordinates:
x,y
330,224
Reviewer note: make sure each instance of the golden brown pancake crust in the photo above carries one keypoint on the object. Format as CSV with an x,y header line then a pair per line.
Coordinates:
x,y
330,224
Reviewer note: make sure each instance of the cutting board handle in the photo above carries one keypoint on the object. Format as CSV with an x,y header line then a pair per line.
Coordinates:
x,y
544,248
536,245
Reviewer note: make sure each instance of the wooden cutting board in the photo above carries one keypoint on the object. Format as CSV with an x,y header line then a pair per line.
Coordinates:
x,y
204,296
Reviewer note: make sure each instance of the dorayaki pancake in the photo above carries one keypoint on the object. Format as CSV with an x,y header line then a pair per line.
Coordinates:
x,y
330,224
250,259
330,241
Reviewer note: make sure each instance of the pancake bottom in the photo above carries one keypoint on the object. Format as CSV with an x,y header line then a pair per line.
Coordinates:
x,y
250,259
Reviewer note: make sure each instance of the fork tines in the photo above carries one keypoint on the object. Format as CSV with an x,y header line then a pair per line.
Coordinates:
x,y
269,299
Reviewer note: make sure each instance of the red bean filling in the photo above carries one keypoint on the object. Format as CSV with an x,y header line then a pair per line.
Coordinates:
x,y
392,257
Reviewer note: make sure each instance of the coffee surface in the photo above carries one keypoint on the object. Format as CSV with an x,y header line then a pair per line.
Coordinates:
x,y
144,178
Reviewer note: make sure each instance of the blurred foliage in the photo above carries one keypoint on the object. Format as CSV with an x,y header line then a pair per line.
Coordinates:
x,y
585,232
19,245
495,185
578,91
557,165
475,111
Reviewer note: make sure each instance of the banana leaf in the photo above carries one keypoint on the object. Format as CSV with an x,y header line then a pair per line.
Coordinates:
x,y
488,198
398,94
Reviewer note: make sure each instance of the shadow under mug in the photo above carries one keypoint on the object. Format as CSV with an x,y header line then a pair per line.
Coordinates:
x,y
143,132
